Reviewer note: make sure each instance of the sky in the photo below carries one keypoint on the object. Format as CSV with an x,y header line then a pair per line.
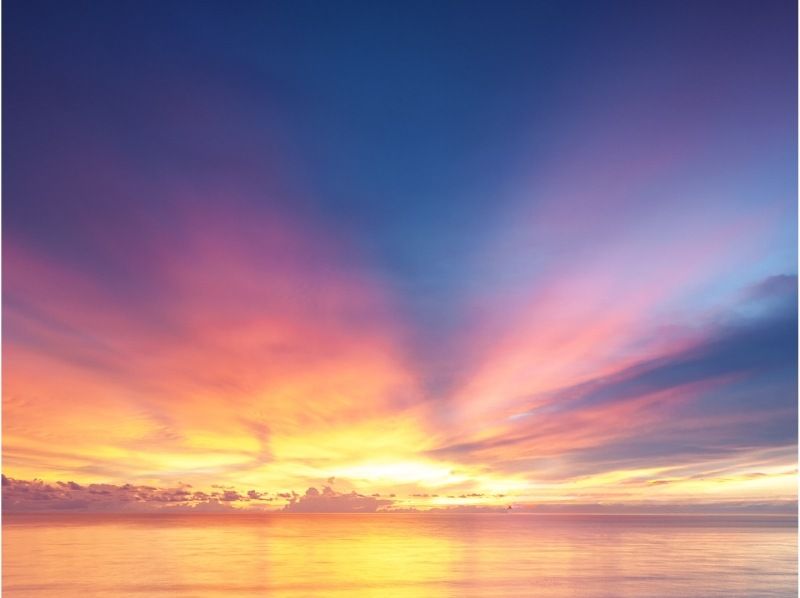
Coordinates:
x,y
361,256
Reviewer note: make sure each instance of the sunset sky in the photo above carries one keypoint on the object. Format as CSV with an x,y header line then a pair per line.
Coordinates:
x,y
411,255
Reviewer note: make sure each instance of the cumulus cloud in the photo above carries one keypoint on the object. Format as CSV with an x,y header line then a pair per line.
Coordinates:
x,y
37,495
330,501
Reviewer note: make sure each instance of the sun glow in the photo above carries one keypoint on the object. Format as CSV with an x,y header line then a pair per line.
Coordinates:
x,y
228,338
424,474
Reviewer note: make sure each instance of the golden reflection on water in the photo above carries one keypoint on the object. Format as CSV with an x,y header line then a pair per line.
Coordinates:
x,y
396,555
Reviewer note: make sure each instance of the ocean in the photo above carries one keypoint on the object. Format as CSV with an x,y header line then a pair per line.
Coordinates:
x,y
403,555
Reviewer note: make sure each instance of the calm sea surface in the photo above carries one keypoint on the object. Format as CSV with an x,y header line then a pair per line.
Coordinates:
x,y
381,555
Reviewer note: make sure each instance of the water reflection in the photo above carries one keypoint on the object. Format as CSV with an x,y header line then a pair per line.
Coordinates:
x,y
397,555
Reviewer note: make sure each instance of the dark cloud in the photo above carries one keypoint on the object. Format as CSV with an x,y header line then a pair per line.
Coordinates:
x,y
748,348
773,289
36,495
731,395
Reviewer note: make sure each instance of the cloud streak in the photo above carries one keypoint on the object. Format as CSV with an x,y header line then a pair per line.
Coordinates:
x,y
246,267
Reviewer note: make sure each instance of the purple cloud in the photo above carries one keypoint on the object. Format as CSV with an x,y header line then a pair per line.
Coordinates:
x,y
330,501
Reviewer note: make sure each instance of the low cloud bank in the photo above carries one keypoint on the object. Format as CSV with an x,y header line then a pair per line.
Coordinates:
x,y
40,496
331,501
24,496
36,495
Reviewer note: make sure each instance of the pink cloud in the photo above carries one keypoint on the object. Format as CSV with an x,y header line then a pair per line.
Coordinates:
x,y
331,501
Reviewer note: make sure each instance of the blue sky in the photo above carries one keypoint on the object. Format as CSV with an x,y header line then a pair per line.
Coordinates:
x,y
498,204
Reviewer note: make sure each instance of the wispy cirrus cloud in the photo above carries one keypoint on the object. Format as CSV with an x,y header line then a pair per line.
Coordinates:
x,y
727,395
250,276
212,357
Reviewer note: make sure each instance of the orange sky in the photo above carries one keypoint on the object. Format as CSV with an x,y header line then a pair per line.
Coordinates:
x,y
409,257
269,359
